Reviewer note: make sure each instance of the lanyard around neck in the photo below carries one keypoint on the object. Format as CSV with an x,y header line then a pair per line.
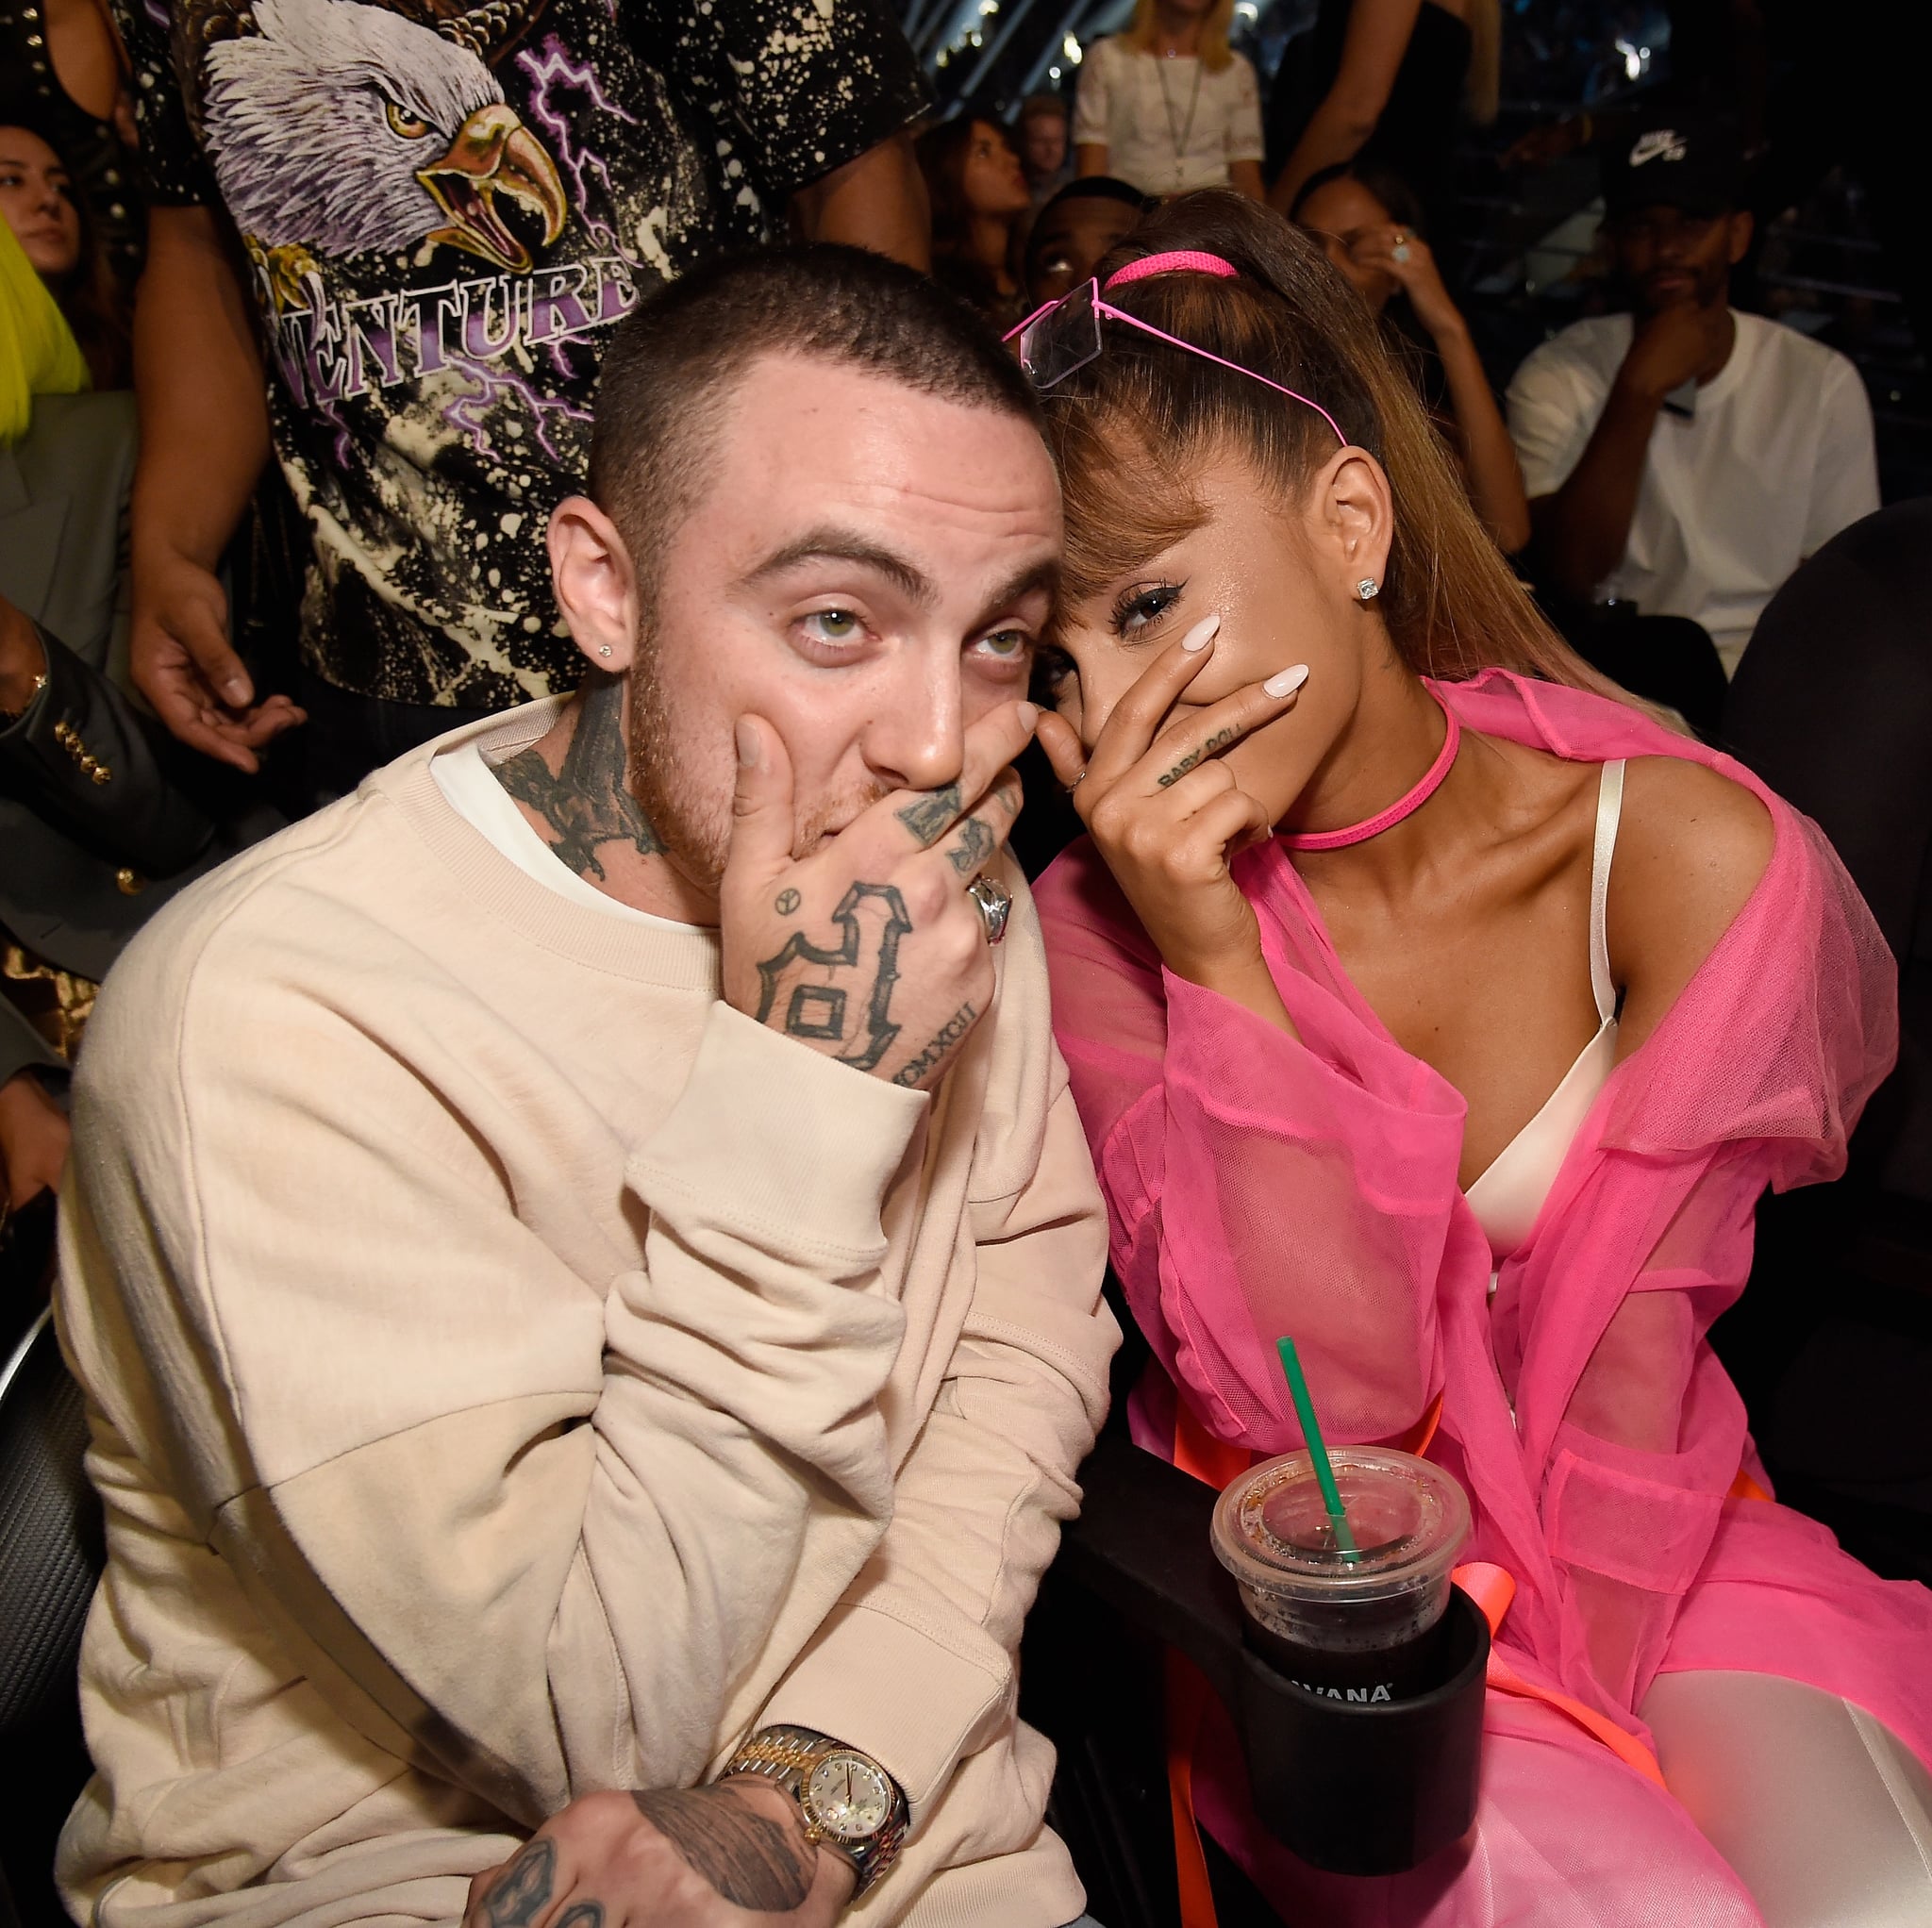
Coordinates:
x,y
1179,133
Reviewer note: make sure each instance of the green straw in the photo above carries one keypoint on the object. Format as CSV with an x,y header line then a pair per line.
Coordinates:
x,y
1325,1473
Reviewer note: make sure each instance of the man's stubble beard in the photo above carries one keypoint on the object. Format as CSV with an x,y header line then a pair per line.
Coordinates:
x,y
696,835
1710,289
696,840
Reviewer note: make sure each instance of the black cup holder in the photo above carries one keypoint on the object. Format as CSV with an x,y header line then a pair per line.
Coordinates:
x,y
1349,1787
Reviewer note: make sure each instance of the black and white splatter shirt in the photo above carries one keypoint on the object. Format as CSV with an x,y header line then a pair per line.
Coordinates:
x,y
446,209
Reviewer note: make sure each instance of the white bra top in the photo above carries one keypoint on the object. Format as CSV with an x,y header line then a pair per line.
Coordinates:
x,y
1509,1197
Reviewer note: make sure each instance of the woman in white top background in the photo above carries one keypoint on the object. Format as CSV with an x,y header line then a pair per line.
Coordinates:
x,y
1169,106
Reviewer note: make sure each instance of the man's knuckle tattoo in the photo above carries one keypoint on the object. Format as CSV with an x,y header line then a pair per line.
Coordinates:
x,y
786,903
521,1893
927,816
977,843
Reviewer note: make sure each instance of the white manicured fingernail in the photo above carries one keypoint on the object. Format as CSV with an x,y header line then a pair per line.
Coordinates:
x,y
1288,682
1201,634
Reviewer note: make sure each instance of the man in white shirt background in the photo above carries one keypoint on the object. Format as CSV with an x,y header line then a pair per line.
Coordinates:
x,y
1684,458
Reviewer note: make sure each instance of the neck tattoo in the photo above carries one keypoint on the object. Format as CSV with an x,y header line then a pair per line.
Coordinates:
x,y
586,803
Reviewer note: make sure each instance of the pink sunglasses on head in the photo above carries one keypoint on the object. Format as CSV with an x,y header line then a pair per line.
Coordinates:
x,y
1064,335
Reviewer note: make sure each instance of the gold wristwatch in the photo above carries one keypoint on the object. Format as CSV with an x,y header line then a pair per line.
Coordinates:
x,y
850,1804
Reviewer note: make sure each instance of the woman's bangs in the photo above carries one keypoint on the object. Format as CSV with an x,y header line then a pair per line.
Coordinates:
x,y
1124,505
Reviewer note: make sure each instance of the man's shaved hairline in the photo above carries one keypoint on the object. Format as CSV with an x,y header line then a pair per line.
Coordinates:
x,y
687,457
673,367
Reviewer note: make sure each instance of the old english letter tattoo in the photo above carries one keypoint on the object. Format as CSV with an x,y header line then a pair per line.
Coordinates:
x,y
949,1033
588,803
522,1890
1219,740
927,818
871,916
974,846
752,1860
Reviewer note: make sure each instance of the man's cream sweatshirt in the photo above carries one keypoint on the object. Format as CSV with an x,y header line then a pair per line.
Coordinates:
x,y
514,1373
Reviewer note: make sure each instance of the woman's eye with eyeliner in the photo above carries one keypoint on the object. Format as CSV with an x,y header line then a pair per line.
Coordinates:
x,y
1142,606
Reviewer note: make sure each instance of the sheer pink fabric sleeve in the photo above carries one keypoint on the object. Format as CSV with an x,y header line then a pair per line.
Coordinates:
x,y
1257,1184
1754,1079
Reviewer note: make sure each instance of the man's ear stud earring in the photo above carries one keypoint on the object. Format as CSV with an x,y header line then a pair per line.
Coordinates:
x,y
604,648
1368,588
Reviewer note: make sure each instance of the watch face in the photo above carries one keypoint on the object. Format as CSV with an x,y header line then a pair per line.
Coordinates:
x,y
851,1799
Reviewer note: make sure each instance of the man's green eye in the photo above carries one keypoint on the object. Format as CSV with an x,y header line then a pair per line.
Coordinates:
x,y
835,626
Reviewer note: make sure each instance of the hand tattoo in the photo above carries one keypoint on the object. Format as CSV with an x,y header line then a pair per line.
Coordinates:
x,y
823,1011
1219,740
581,1914
786,903
974,846
949,1033
587,803
522,1890
927,818
750,1859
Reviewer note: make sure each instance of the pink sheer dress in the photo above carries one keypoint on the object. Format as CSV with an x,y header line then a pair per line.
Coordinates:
x,y
1260,1184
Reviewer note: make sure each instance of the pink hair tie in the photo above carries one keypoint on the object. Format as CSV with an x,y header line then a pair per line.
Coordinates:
x,y
1178,261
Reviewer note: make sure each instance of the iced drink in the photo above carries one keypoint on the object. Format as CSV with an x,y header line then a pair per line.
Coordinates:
x,y
1364,1629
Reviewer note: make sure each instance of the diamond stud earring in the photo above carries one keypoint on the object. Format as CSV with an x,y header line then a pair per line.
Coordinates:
x,y
1368,588
603,649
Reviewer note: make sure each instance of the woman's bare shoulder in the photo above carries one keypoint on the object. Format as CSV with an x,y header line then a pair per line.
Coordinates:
x,y
1692,846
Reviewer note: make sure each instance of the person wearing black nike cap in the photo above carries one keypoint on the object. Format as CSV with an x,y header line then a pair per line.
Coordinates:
x,y
1683,457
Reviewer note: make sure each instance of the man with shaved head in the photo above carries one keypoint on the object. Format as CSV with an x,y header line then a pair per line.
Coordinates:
x,y
584,1264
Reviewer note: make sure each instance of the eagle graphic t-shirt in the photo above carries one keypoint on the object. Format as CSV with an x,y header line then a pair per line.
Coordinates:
x,y
444,211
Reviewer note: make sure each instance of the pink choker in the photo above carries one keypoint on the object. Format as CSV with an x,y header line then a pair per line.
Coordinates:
x,y
1403,806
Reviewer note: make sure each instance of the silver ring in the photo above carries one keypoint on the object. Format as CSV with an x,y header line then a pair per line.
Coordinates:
x,y
994,904
1076,782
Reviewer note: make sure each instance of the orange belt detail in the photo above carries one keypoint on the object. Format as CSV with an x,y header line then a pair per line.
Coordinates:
x,y
1492,1588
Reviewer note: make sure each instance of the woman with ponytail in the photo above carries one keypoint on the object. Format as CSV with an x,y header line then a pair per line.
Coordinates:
x,y
1427,1000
